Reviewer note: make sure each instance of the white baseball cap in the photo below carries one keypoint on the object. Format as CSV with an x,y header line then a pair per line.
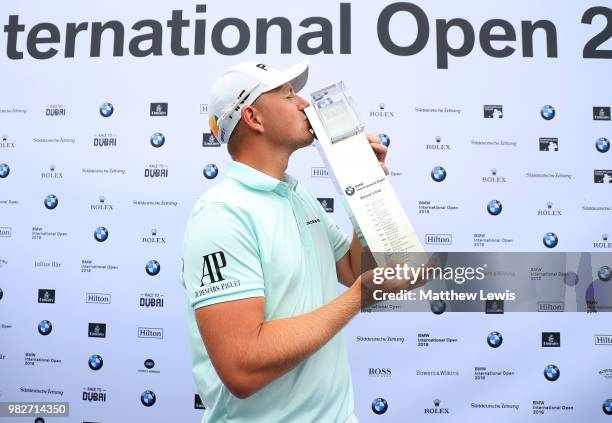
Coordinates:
x,y
241,85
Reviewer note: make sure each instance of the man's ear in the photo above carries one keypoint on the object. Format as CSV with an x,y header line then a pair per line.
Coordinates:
x,y
252,118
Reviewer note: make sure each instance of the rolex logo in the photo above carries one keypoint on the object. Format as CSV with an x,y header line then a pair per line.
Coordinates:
x,y
154,232
381,106
604,237
438,139
493,171
549,205
102,199
52,168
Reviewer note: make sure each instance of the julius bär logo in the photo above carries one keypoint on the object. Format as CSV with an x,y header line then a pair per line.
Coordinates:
x,y
211,267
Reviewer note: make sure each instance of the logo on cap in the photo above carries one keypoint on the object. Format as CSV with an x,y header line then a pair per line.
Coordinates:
x,y
214,127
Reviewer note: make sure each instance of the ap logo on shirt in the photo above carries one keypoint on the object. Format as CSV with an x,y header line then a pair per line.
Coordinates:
x,y
211,267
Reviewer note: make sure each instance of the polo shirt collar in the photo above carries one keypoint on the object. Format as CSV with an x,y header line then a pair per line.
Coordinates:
x,y
258,180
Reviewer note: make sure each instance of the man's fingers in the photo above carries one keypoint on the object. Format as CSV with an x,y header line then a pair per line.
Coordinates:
x,y
384,168
372,138
379,149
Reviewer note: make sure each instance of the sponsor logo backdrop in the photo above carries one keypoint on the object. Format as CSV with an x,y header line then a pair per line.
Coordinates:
x,y
497,118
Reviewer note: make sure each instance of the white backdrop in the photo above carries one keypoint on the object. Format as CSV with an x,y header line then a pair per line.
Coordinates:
x,y
50,121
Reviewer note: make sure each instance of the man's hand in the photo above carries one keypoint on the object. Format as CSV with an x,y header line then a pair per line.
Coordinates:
x,y
380,151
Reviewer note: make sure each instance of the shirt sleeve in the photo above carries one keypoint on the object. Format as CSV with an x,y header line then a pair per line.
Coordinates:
x,y
221,259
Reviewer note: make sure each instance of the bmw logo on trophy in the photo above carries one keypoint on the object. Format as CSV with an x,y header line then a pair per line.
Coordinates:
x,y
358,175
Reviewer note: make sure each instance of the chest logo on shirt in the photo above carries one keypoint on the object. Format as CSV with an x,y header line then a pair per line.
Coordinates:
x,y
310,222
211,267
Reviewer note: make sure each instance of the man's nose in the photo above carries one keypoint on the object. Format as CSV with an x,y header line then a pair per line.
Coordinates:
x,y
302,102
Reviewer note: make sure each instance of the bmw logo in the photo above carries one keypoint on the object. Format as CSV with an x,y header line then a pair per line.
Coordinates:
x,y
147,398
495,339
437,307
494,207
211,171
384,139
379,406
106,109
550,240
101,234
552,372
602,145
157,139
45,327
547,112
438,174
604,274
95,362
349,190
4,170
149,363
607,407
51,202
153,267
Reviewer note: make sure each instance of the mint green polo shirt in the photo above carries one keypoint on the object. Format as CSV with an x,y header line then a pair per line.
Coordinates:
x,y
255,236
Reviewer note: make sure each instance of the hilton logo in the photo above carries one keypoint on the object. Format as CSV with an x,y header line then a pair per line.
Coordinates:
x,y
601,113
319,172
52,174
156,171
603,339
197,403
105,140
602,176
494,178
55,110
549,144
604,244
46,296
438,239
437,409
153,239
96,330
153,333
438,145
493,111
208,140
327,204
551,306
6,232
101,205
95,298
549,211
159,109
382,112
